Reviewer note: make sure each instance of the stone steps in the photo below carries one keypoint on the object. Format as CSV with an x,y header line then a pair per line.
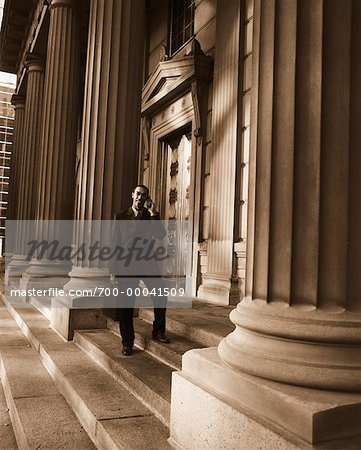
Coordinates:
x,y
39,414
7,436
43,304
111,415
145,376
205,325
122,402
170,354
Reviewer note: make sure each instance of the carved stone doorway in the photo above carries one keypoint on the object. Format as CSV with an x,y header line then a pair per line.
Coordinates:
x,y
174,122
177,179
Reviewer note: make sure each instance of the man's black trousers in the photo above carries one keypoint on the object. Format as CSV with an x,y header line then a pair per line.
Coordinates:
x,y
125,314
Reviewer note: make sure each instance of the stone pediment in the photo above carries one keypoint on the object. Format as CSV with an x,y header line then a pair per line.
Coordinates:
x,y
172,79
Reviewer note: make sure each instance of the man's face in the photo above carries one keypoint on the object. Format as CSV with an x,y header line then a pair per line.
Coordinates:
x,y
139,196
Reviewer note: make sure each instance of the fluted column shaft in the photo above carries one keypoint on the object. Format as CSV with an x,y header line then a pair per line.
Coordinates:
x,y
32,127
61,90
299,322
110,128
225,139
56,194
27,142
16,156
111,119
16,160
28,176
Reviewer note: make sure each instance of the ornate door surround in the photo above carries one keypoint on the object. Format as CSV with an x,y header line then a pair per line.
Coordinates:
x,y
174,97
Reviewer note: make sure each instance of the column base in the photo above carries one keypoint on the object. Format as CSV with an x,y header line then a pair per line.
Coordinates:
x,y
218,289
244,411
15,269
66,320
45,276
319,349
76,310
7,258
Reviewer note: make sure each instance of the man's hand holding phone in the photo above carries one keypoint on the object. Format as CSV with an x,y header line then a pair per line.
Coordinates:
x,y
149,204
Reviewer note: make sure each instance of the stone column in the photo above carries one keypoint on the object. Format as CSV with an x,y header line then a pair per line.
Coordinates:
x,y
61,101
18,101
16,159
305,248
56,192
293,362
217,281
32,126
109,147
111,119
27,172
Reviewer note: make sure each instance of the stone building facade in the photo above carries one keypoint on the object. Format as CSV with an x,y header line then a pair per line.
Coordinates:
x,y
242,118
6,140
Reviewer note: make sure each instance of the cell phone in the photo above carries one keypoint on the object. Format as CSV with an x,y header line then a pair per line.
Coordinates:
x,y
148,203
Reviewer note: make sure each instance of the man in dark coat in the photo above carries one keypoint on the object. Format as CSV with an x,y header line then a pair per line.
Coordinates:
x,y
142,208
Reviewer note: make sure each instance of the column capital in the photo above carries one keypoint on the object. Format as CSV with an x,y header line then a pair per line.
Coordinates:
x,y
18,101
62,3
34,62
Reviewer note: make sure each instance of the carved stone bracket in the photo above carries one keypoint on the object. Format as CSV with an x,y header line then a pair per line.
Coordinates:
x,y
34,61
146,124
202,248
240,252
202,259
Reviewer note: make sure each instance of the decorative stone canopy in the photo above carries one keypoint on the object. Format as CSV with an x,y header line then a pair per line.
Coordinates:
x,y
173,78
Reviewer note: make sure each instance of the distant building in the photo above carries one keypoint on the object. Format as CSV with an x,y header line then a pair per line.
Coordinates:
x,y
7,89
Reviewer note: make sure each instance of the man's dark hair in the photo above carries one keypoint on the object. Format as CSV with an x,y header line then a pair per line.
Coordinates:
x,y
142,186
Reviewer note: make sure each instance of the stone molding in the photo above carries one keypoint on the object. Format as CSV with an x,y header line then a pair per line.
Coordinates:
x,y
18,101
34,62
63,4
173,78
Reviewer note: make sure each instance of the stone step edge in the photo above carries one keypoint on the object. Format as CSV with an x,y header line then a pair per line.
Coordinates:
x,y
5,420
202,337
54,401
13,413
153,348
105,361
44,310
93,427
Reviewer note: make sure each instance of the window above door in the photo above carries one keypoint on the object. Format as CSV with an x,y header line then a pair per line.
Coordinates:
x,y
181,24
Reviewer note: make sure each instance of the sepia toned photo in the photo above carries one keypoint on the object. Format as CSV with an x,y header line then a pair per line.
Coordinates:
x,y
180,224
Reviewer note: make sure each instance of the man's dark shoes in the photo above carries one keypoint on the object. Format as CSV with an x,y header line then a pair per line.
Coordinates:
x,y
127,350
161,338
